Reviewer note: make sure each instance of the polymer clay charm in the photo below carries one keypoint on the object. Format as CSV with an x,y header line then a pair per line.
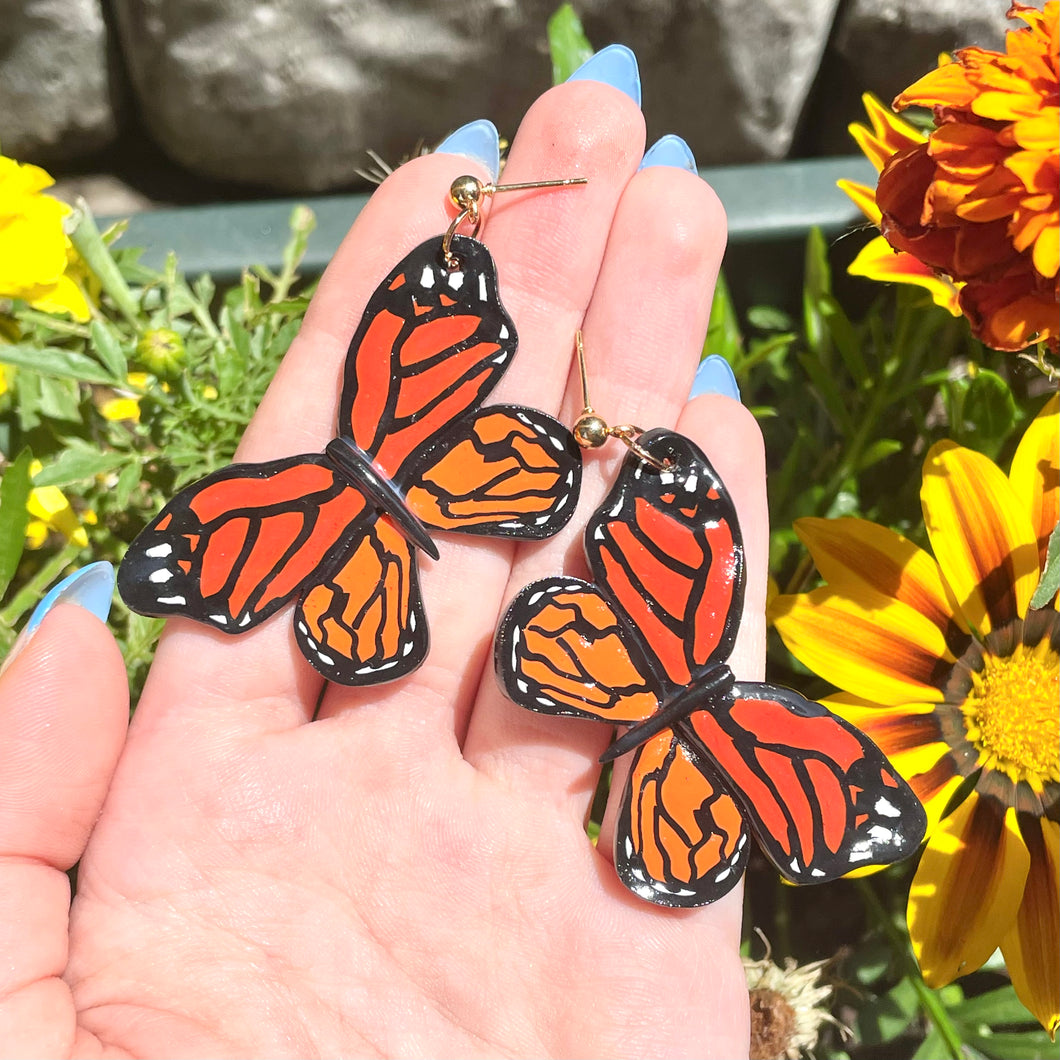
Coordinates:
x,y
645,645
415,452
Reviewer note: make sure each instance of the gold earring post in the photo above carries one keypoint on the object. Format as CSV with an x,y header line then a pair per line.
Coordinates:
x,y
466,194
591,430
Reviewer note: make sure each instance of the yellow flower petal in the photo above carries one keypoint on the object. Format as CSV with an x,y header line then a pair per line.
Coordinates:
x,y
878,260
863,197
967,889
1031,945
889,134
851,553
874,647
980,535
911,738
121,408
64,296
36,533
1035,472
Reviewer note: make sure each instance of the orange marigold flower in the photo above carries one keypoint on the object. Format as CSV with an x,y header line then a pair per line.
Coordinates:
x,y
978,201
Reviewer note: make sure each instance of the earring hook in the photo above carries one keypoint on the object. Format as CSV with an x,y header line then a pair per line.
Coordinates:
x,y
467,193
591,429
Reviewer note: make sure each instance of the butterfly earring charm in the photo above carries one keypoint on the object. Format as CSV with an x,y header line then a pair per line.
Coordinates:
x,y
645,644
415,452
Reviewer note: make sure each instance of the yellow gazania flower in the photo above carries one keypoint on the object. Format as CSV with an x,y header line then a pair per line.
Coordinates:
x,y
36,255
889,136
945,665
50,510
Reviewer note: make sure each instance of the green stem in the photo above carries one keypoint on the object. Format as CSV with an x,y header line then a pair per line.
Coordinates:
x,y
929,1000
89,243
34,589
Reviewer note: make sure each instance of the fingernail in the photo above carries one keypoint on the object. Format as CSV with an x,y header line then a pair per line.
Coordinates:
x,y
714,376
614,65
91,587
670,150
478,140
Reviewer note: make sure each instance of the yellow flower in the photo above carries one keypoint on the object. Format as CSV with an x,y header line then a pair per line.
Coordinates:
x,y
978,200
889,136
945,665
50,510
125,404
36,255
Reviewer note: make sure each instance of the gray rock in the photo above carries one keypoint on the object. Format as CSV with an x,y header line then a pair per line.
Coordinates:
x,y
883,46
893,43
56,95
290,94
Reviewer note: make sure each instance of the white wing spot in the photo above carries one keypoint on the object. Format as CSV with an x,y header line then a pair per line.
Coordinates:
x,y
221,620
482,293
691,483
456,280
427,277
503,332
886,808
159,551
172,600
162,575
727,871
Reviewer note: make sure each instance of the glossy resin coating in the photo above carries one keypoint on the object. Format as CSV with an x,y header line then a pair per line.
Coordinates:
x,y
645,644
415,452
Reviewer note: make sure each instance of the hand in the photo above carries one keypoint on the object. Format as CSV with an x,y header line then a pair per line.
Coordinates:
x,y
279,868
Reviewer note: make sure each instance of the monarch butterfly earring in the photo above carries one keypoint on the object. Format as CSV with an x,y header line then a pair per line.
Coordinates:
x,y
645,645
337,532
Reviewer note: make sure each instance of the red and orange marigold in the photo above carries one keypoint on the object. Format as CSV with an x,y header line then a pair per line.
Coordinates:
x,y
978,201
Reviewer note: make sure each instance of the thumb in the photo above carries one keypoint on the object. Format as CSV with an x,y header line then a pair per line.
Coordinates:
x,y
64,706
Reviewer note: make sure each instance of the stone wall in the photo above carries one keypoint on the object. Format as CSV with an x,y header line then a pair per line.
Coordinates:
x,y
288,95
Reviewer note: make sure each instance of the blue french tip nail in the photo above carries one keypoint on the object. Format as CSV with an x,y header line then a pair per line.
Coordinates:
x,y
478,140
714,376
670,150
614,65
91,587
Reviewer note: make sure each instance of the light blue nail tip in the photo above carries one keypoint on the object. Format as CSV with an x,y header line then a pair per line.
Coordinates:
x,y
714,376
614,65
477,140
91,587
670,150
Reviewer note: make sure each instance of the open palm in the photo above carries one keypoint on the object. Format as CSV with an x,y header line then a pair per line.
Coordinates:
x,y
271,867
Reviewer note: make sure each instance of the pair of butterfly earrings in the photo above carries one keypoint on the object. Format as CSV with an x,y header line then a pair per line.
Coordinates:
x,y
643,644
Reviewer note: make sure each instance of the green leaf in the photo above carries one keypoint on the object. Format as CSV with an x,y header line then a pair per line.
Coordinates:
x,y
995,1007
14,493
989,411
60,399
723,331
877,451
76,463
567,43
109,349
128,480
933,1047
769,318
817,283
885,1018
1030,1045
58,363
91,246
1050,581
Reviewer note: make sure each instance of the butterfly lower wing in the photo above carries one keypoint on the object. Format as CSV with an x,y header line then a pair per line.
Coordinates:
x,y
506,471
234,547
561,649
820,796
680,840
364,623
666,547
431,344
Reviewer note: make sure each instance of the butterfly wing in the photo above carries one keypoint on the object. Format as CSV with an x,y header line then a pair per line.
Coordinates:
x,y
665,548
431,344
231,549
820,796
680,839
364,623
562,649
505,471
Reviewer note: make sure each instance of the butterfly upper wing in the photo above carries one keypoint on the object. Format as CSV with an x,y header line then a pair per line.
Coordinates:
x,y
680,839
561,649
232,548
431,344
505,471
364,622
822,798
665,548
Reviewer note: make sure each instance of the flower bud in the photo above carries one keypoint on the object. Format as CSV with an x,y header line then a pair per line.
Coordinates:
x,y
161,352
